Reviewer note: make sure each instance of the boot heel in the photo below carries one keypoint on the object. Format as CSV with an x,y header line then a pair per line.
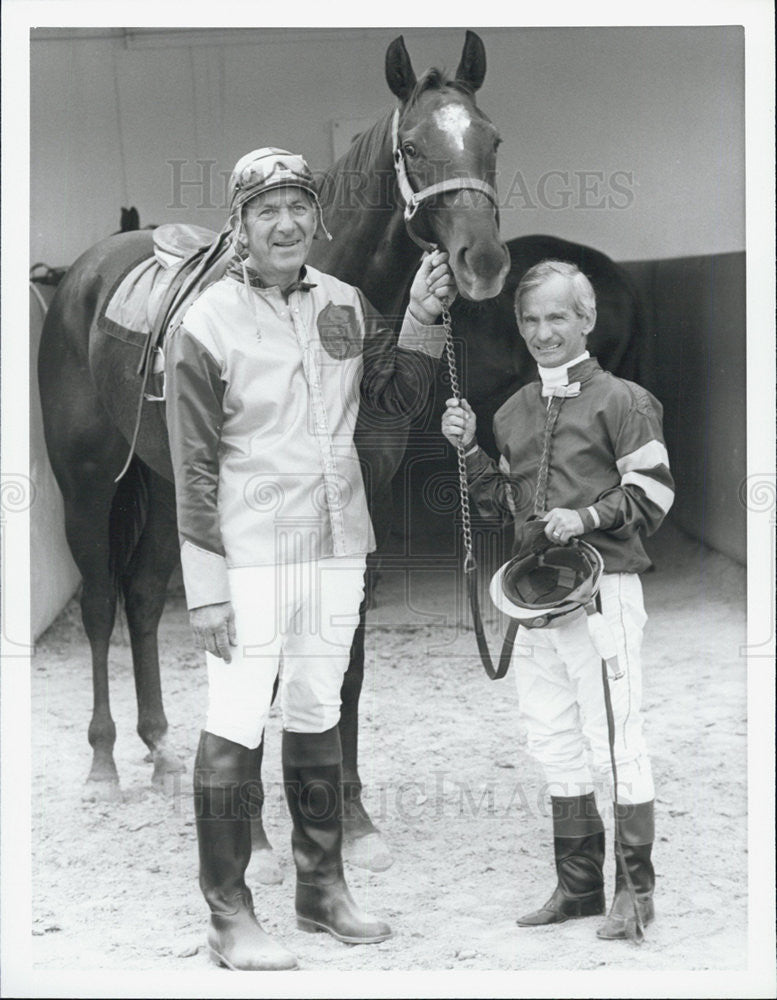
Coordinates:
x,y
308,925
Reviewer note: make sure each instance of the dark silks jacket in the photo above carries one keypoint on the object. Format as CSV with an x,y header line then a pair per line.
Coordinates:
x,y
608,461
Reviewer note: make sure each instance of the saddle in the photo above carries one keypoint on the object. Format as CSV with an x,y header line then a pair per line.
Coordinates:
x,y
191,259
194,257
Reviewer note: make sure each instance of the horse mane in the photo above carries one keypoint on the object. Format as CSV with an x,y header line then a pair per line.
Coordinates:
x,y
437,79
368,147
362,158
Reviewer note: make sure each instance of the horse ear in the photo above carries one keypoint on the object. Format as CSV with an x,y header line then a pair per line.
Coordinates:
x,y
130,220
399,72
472,68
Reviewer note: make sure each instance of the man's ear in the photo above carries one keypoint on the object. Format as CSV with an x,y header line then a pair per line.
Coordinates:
x,y
591,321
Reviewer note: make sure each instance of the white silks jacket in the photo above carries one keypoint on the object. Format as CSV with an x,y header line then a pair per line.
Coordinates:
x,y
263,394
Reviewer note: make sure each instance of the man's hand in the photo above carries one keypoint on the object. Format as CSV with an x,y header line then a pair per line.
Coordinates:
x,y
459,423
214,629
562,524
432,284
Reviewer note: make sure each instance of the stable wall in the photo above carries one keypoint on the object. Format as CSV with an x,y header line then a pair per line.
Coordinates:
x,y
630,140
693,359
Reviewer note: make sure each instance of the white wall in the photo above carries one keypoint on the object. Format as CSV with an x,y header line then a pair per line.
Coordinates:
x,y
664,106
53,574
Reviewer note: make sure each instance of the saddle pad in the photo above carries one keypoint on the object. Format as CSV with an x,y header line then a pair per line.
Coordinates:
x,y
176,241
129,311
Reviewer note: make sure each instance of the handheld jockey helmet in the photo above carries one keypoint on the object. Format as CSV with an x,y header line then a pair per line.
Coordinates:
x,y
545,583
548,582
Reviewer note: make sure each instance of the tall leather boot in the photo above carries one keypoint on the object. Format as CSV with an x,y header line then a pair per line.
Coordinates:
x,y
223,772
635,833
312,772
578,842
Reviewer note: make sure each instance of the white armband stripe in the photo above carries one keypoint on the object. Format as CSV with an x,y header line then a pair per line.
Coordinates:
x,y
655,491
647,457
595,515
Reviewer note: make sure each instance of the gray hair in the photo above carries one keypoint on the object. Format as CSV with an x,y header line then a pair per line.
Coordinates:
x,y
583,295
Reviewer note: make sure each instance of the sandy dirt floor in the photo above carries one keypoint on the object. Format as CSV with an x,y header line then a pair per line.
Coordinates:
x,y
447,778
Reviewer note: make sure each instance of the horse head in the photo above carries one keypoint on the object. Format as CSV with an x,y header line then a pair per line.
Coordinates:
x,y
446,147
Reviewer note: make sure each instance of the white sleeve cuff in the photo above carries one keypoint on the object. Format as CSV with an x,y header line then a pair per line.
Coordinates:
x,y
417,336
204,576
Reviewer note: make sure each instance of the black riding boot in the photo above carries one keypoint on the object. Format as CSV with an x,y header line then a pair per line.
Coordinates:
x,y
635,833
223,772
578,840
312,774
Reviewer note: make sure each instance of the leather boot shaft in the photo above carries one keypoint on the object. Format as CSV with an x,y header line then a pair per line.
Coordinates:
x,y
635,832
312,780
578,845
223,775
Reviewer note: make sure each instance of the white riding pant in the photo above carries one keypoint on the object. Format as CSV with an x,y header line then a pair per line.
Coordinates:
x,y
300,615
561,697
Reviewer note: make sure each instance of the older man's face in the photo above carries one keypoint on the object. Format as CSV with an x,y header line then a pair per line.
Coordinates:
x,y
553,331
279,226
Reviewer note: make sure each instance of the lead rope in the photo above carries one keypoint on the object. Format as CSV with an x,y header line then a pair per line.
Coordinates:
x,y
470,562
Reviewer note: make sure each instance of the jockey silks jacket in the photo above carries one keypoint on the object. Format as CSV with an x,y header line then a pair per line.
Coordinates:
x,y
607,461
263,393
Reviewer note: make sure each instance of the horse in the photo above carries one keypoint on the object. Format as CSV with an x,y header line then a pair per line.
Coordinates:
x,y
123,535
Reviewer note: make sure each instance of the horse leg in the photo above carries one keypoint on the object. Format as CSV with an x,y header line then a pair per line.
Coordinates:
x,y
363,846
87,512
144,584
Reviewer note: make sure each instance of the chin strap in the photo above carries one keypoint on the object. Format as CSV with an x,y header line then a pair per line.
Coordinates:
x,y
413,199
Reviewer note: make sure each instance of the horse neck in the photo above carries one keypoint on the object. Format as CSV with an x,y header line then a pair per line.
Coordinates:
x,y
370,246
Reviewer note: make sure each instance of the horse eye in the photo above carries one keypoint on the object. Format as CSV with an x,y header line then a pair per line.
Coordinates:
x,y
410,149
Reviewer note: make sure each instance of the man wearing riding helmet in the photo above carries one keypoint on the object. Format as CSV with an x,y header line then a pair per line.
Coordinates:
x,y
266,375
582,451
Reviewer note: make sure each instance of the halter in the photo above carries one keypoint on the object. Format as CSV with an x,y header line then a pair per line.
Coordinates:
x,y
413,199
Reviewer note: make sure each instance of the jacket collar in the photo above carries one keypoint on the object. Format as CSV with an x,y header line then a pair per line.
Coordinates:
x,y
300,285
583,370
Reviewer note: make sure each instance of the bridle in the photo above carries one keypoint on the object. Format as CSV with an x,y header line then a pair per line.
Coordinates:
x,y
414,199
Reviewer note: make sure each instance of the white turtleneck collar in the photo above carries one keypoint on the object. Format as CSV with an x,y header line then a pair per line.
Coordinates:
x,y
551,377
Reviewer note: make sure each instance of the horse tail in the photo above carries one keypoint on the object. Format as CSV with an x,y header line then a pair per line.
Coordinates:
x,y
129,511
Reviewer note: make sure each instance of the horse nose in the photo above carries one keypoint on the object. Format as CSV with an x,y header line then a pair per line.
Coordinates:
x,y
484,260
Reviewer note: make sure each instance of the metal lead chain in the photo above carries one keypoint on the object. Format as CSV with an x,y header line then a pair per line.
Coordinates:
x,y
470,564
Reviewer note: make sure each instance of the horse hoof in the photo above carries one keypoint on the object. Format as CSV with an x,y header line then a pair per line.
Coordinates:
x,y
101,790
265,868
168,769
369,851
